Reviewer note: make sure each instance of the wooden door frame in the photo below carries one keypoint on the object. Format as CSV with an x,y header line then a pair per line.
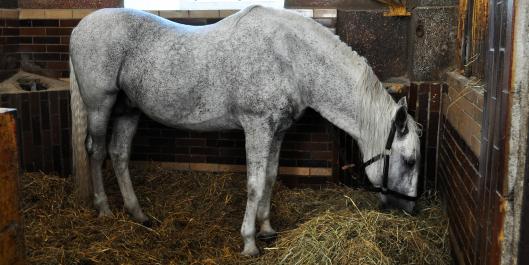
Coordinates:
x,y
495,132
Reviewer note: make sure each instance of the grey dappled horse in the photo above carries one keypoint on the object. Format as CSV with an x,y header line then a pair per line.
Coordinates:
x,y
256,70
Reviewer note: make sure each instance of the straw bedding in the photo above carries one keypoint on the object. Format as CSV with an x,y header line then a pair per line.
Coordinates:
x,y
197,217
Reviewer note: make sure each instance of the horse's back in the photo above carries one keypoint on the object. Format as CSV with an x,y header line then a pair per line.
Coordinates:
x,y
191,76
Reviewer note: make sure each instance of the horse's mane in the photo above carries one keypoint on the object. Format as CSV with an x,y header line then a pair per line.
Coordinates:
x,y
376,103
376,107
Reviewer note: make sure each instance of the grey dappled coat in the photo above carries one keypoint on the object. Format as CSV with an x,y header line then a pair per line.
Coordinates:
x,y
256,70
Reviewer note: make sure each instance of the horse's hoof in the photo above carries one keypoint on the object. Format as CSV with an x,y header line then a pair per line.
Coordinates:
x,y
252,252
383,207
105,213
267,236
147,223
139,217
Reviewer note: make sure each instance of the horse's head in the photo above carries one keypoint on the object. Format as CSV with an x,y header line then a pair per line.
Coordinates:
x,y
403,163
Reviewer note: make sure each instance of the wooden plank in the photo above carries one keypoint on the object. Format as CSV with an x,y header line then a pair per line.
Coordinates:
x,y
8,246
11,239
8,169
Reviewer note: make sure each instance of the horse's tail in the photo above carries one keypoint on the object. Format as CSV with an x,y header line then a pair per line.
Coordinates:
x,y
81,166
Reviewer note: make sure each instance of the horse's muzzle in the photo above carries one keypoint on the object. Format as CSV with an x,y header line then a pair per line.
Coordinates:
x,y
389,201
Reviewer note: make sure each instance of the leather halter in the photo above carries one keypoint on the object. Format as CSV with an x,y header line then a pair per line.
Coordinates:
x,y
385,154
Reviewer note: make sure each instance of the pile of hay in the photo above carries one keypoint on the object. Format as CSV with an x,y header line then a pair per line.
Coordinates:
x,y
364,237
197,217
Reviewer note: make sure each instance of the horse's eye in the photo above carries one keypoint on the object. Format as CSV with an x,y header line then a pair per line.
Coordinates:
x,y
410,162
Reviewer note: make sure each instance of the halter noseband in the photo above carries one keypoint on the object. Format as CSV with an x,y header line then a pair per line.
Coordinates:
x,y
385,154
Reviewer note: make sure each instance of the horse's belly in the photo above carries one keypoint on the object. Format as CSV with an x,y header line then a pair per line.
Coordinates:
x,y
198,120
182,107
217,124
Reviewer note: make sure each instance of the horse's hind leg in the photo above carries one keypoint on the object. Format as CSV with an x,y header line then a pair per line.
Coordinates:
x,y
120,145
98,116
263,212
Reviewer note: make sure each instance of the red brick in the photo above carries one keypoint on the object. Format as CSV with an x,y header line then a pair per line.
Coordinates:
x,y
327,155
45,23
69,23
320,137
59,31
57,48
32,32
11,48
65,39
204,151
10,31
190,142
58,65
32,48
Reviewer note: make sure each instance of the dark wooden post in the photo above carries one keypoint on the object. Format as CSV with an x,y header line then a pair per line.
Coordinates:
x,y
11,236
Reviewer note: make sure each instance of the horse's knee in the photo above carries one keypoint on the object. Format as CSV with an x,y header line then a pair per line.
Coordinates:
x,y
255,194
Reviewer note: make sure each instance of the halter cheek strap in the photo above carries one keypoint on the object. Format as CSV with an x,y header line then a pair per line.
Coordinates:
x,y
385,154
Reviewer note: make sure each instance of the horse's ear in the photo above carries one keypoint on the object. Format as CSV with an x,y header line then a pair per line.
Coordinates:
x,y
403,102
401,117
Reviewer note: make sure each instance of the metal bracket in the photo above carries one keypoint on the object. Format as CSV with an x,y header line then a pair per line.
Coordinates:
x,y
397,11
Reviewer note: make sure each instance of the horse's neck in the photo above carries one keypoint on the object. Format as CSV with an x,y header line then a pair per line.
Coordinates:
x,y
359,106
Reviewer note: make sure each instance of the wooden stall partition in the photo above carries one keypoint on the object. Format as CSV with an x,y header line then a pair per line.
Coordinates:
x,y
11,236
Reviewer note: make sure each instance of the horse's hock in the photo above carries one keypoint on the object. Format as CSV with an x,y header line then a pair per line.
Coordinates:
x,y
11,235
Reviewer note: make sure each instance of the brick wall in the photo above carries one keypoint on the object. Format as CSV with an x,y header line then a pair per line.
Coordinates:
x,y
458,171
9,59
9,4
464,109
33,4
44,129
44,44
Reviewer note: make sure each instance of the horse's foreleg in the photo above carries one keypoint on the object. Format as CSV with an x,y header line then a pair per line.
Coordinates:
x,y
258,142
119,149
263,212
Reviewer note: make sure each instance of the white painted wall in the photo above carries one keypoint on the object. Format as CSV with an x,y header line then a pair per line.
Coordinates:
x,y
199,4
518,134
